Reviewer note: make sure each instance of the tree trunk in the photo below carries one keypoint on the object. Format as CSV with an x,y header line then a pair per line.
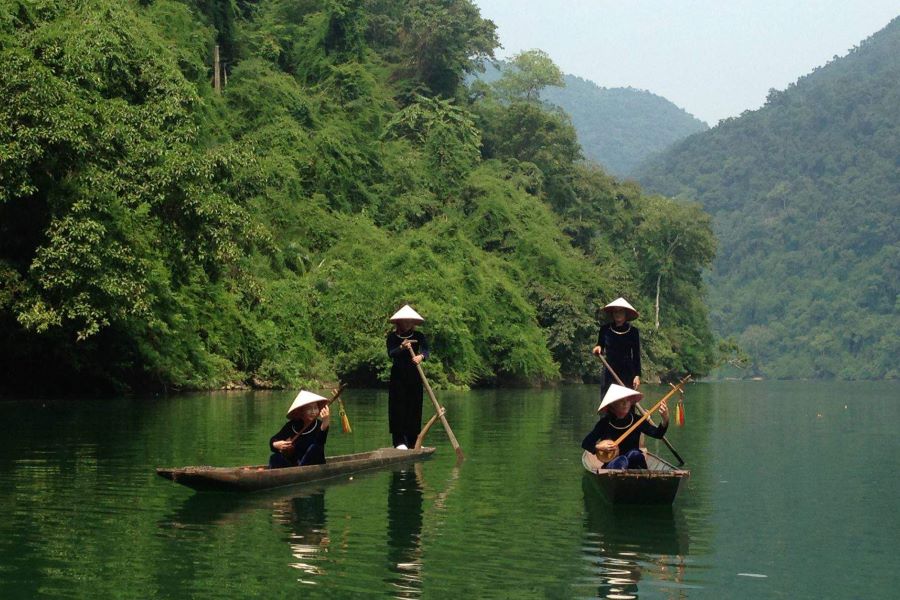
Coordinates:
x,y
658,278
217,80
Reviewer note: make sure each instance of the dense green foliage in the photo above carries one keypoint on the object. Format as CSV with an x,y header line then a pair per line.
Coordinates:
x,y
805,195
154,233
618,128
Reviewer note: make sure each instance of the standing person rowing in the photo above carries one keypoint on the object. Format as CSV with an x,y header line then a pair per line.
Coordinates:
x,y
405,388
620,341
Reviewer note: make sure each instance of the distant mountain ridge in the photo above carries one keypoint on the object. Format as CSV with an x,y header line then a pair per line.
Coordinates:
x,y
621,127
805,196
618,128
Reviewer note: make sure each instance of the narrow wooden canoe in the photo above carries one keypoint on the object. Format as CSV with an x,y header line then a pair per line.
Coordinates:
x,y
261,477
658,484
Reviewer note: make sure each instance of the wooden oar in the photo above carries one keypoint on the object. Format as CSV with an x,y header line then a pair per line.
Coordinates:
x,y
641,411
437,407
420,439
608,455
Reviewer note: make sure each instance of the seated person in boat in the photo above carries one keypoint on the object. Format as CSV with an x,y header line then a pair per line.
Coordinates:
x,y
618,406
302,440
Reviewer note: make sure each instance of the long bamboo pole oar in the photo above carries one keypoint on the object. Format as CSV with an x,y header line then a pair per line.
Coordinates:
x,y
641,411
437,407
675,389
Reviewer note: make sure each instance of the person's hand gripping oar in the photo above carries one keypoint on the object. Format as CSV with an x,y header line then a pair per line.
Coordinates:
x,y
641,411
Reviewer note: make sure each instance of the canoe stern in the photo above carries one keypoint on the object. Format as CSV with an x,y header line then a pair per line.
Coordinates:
x,y
657,485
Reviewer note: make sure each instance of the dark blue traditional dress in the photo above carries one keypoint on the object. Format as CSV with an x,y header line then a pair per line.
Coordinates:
x,y
309,447
622,347
405,388
630,455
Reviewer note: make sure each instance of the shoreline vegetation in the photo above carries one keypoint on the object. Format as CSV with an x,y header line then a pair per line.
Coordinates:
x,y
157,233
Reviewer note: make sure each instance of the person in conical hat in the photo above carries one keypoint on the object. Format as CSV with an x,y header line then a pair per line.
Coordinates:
x,y
617,393
620,342
621,304
618,413
405,388
302,440
407,313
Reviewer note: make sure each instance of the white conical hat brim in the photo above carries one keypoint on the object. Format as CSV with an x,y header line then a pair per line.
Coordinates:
x,y
617,392
304,398
630,312
407,314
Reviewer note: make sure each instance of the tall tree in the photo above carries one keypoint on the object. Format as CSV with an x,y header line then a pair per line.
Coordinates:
x,y
437,42
673,242
526,76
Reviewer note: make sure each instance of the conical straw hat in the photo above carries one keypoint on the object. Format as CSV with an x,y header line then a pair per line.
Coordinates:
x,y
407,314
617,392
304,398
630,313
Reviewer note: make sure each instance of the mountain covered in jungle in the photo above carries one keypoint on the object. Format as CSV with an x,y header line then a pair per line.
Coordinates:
x,y
805,196
160,232
618,128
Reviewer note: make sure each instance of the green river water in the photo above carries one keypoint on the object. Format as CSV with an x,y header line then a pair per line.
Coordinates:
x,y
793,494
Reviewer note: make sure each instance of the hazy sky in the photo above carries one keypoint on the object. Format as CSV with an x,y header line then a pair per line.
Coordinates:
x,y
714,58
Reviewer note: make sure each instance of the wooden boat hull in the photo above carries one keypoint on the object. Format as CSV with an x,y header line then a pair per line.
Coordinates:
x,y
656,485
261,477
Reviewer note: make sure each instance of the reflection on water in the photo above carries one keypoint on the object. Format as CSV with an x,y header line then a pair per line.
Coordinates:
x,y
305,517
625,544
301,515
85,516
404,527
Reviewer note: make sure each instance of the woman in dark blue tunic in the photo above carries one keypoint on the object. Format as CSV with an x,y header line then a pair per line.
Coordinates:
x,y
302,440
405,388
620,342
618,404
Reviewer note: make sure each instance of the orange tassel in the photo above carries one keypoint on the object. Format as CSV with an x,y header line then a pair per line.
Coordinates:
x,y
345,422
679,414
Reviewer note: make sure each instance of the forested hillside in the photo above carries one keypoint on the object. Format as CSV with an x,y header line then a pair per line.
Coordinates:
x,y
158,234
621,127
805,195
618,128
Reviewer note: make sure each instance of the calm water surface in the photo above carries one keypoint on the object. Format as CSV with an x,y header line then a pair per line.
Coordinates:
x,y
793,494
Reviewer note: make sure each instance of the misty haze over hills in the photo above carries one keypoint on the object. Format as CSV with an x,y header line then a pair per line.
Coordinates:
x,y
805,195
618,128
